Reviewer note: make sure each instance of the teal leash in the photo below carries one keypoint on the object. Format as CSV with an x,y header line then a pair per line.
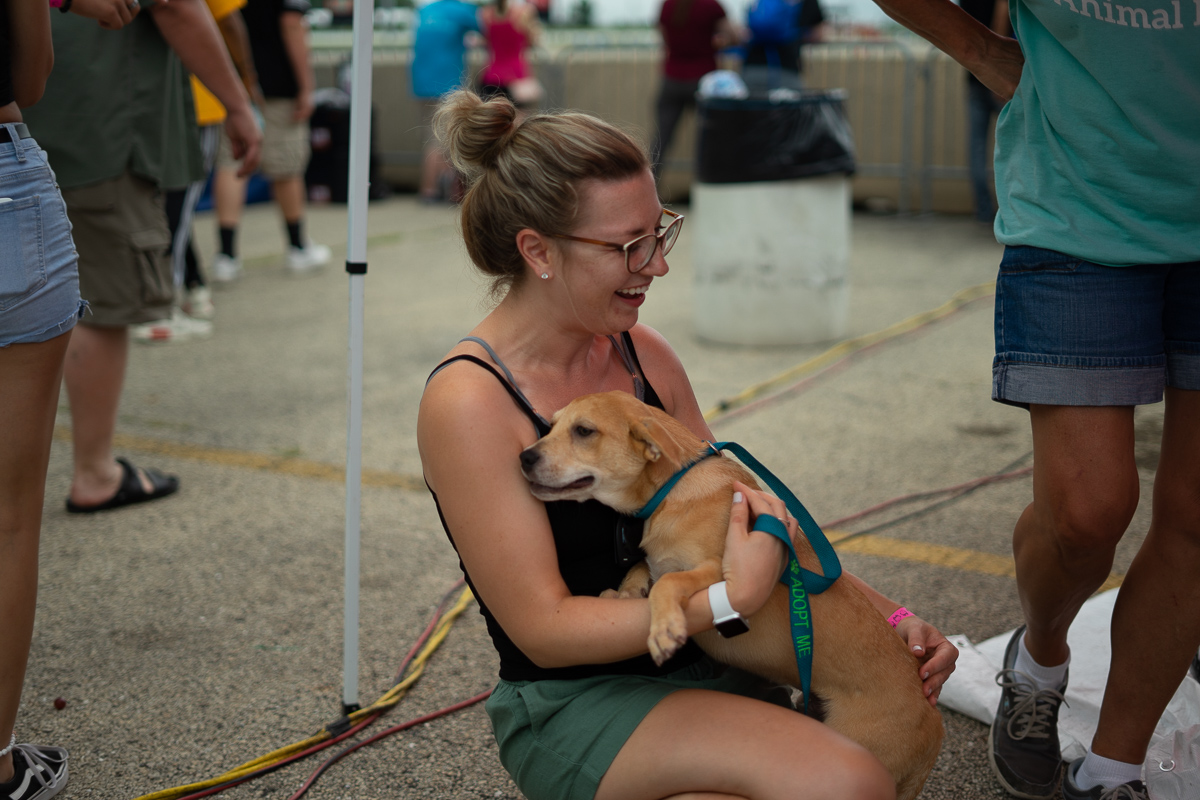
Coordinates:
x,y
800,582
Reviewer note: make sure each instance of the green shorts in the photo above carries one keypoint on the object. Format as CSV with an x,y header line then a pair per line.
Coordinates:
x,y
558,738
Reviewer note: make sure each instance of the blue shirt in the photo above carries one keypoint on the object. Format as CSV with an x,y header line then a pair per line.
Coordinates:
x,y
437,66
1098,152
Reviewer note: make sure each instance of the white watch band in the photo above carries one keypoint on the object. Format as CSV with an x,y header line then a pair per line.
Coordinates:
x,y
718,601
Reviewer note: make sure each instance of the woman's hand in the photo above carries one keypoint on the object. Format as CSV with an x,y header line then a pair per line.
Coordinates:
x,y
753,560
935,654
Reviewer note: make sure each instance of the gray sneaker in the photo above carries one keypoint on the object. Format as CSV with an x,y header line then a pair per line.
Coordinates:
x,y
1024,747
1136,790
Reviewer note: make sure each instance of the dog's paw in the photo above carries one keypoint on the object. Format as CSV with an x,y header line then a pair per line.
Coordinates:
x,y
609,594
667,636
634,592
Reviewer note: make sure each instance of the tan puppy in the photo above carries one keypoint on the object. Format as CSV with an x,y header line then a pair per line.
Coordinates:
x,y
620,451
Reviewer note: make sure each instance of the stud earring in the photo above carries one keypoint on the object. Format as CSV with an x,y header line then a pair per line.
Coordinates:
x,y
545,276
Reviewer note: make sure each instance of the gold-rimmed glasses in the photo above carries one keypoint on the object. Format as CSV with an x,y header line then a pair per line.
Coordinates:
x,y
640,251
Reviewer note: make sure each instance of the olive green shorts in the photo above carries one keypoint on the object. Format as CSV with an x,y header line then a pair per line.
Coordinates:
x,y
120,231
558,738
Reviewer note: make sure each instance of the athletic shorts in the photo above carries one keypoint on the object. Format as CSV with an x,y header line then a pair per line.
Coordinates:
x,y
558,738
1074,333
124,251
285,145
39,279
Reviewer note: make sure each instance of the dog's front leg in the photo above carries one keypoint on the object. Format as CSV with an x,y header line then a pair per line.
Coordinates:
x,y
668,595
636,582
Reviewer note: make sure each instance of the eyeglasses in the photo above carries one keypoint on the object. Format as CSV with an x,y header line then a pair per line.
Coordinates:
x,y
640,251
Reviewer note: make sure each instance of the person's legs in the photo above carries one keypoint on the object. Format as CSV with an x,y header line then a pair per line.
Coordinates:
x,y
289,195
703,744
229,195
30,376
1085,490
127,283
95,375
1158,607
673,97
980,108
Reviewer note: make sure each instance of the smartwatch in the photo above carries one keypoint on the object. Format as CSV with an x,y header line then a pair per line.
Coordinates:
x,y
726,620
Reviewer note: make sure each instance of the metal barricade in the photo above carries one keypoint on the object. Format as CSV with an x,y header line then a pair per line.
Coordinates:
x,y
880,79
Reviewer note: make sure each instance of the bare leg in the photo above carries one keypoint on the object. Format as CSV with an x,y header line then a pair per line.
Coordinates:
x,y
95,374
289,194
433,166
229,194
1085,490
30,376
701,744
1156,622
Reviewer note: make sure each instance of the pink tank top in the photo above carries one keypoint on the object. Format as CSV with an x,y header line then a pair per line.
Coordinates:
x,y
508,45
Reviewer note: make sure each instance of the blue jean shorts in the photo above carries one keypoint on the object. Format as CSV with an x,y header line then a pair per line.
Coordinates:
x,y
39,278
1074,333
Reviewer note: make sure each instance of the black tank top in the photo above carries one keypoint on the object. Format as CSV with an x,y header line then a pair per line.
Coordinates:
x,y
596,546
7,93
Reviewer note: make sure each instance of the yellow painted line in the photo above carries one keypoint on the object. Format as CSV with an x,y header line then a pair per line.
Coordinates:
x,y
896,549
283,465
938,555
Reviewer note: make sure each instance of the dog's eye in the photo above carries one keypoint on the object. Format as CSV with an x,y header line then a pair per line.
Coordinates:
x,y
583,431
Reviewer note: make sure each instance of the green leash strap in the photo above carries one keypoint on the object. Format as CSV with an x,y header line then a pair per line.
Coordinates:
x,y
801,582
802,630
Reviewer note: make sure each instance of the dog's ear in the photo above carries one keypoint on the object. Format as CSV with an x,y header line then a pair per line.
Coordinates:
x,y
658,443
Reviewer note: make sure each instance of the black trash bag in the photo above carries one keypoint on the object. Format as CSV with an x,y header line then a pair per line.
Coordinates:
x,y
742,141
328,173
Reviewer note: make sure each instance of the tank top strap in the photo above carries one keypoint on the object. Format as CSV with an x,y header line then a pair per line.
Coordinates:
x,y
624,348
510,384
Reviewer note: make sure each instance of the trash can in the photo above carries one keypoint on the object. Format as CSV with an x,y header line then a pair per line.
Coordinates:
x,y
328,173
771,203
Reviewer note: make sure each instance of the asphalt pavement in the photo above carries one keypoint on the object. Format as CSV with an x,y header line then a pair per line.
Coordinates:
x,y
192,635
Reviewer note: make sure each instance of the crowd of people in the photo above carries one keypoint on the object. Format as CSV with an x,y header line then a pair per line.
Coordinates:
x,y
1097,311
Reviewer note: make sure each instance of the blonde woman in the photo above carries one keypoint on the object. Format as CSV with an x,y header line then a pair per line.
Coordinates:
x,y
561,212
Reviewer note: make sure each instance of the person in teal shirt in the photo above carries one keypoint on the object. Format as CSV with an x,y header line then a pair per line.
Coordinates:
x,y
438,67
1097,311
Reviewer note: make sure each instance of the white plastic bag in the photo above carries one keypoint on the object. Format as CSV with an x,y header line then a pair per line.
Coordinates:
x,y
723,83
1173,766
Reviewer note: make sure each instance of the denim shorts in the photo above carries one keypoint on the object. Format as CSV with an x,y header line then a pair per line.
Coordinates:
x,y
1074,333
39,278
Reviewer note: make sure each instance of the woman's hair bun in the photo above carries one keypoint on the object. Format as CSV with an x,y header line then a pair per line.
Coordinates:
x,y
472,130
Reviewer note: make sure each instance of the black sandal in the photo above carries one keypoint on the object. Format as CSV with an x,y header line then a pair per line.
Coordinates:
x,y
131,490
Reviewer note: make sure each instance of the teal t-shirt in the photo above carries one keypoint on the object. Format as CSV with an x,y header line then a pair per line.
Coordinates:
x,y
1098,152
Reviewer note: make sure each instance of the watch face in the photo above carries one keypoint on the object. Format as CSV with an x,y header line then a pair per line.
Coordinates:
x,y
732,627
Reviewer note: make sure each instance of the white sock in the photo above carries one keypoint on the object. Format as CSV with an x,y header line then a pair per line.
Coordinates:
x,y
1100,771
1042,677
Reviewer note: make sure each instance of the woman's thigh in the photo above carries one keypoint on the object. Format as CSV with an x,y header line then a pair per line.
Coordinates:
x,y
703,741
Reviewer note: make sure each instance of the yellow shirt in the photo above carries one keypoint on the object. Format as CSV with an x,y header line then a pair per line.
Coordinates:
x,y
209,110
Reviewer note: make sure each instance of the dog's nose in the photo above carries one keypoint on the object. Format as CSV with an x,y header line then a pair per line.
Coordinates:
x,y
528,459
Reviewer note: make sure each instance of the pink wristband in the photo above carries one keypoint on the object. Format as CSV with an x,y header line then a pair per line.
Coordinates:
x,y
899,614
56,3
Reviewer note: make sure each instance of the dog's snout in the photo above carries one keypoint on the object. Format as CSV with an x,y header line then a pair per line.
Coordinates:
x,y
529,458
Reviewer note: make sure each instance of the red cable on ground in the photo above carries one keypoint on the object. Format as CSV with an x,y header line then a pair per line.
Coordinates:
x,y
962,487
388,732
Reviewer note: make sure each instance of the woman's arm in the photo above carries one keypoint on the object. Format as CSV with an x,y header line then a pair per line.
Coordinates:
x,y
935,654
996,60
32,54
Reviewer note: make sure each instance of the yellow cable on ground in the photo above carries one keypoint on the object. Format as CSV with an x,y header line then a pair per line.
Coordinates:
x,y
849,346
389,699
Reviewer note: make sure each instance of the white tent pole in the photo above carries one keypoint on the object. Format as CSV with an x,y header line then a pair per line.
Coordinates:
x,y
356,266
